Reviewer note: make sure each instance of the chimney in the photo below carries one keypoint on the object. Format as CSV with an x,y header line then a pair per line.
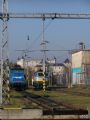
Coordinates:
x,y
81,46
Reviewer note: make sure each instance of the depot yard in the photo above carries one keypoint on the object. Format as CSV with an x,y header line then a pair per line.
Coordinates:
x,y
65,96
68,97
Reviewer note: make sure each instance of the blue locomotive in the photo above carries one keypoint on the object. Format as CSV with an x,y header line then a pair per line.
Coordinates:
x,y
17,78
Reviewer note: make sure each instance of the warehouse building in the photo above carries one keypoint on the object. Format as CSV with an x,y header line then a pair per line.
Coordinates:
x,y
81,67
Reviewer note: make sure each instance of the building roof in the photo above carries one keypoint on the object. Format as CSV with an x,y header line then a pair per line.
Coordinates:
x,y
38,66
78,50
57,64
67,61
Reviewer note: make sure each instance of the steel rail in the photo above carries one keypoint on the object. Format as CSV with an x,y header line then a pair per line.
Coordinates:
x,y
75,93
53,107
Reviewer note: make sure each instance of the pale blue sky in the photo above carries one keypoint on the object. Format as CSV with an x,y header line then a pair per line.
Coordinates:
x,y
62,34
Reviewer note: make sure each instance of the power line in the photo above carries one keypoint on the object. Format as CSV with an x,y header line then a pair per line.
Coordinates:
x,y
39,50
38,37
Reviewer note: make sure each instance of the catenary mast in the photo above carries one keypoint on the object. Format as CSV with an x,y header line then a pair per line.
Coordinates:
x,y
43,44
4,82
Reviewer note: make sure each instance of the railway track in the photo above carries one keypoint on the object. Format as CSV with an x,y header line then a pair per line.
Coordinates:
x,y
50,106
75,93
65,90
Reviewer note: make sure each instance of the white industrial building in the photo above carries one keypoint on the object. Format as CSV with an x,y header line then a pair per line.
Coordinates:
x,y
81,67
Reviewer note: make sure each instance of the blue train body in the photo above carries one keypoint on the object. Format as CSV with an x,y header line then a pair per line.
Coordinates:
x,y
17,78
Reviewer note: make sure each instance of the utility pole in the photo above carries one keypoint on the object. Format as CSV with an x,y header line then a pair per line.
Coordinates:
x,y
4,82
44,42
43,45
44,52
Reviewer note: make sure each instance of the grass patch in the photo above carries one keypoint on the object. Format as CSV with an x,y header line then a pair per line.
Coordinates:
x,y
17,100
79,101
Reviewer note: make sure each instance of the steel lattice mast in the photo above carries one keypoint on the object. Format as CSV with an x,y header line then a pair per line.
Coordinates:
x,y
4,86
43,46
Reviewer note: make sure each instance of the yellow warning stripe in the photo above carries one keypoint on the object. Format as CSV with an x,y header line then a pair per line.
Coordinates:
x,y
12,108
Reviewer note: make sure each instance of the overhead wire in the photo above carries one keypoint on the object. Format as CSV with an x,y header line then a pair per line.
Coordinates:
x,y
46,27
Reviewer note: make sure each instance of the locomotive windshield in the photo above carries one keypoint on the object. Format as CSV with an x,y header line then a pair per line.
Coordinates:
x,y
40,74
18,74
